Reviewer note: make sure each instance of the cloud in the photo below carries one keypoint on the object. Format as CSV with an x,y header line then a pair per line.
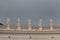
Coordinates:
x,y
34,9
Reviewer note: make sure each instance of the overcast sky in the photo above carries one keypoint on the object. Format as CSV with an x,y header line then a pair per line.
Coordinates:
x,y
33,9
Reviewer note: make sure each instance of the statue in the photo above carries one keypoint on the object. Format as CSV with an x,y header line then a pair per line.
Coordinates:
x,y
8,23
51,24
18,23
40,24
29,24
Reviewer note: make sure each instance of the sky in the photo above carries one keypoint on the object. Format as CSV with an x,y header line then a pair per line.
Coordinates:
x,y
33,9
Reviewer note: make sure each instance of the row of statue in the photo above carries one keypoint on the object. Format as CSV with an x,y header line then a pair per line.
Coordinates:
x,y
29,24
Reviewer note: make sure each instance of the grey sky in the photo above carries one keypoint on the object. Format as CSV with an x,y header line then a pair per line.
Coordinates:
x,y
34,9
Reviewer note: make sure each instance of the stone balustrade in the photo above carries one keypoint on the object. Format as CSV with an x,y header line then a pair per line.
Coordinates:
x,y
29,26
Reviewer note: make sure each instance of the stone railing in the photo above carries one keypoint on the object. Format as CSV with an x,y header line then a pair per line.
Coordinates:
x,y
29,25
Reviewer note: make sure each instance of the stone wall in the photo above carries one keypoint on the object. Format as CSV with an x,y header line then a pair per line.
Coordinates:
x,y
29,36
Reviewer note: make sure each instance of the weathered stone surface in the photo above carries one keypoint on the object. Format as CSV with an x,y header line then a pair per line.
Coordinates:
x,y
29,35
